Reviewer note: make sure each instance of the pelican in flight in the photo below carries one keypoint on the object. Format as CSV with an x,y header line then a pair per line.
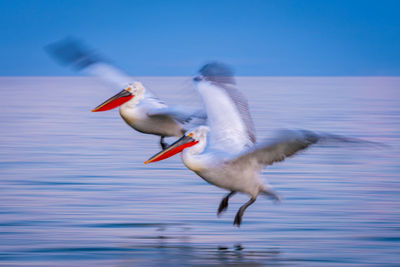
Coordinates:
x,y
225,152
138,106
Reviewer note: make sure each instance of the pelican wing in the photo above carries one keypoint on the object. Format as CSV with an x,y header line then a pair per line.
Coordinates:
x,y
285,145
290,142
73,53
227,110
190,118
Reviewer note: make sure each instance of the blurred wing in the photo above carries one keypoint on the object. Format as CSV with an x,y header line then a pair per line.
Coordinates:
x,y
285,145
228,115
109,74
288,143
73,53
189,118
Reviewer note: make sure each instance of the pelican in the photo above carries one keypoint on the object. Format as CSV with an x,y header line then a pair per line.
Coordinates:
x,y
224,153
138,106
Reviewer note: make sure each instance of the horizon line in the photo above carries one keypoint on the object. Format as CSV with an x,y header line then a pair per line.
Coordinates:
x,y
242,76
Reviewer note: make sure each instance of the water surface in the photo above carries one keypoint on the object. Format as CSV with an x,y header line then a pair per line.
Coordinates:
x,y
74,190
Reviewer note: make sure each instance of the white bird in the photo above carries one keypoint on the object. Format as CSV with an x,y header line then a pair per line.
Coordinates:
x,y
224,153
139,107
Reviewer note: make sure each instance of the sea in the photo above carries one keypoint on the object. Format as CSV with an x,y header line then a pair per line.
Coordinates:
x,y
74,190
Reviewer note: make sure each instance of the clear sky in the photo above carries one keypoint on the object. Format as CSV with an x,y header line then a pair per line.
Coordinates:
x,y
145,37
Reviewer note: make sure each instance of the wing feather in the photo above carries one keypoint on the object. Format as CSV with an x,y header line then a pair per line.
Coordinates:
x,y
289,142
286,144
73,53
190,118
232,127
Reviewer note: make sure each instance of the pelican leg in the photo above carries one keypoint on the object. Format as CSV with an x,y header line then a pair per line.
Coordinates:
x,y
162,143
224,203
239,214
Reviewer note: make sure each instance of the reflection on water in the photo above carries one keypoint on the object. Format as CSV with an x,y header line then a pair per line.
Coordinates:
x,y
74,190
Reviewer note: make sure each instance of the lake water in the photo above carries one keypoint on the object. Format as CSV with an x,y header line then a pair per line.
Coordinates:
x,y
74,190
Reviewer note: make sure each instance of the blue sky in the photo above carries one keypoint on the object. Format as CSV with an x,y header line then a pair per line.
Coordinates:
x,y
273,38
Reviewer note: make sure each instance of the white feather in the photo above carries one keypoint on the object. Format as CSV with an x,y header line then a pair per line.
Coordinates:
x,y
228,131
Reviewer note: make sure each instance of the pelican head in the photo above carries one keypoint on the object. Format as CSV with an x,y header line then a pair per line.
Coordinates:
x,y
132,93
195,138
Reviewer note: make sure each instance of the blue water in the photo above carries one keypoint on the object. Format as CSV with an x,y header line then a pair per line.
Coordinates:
x,y
74,190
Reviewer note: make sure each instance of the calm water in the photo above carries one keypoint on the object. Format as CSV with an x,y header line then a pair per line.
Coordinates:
x,y
74,190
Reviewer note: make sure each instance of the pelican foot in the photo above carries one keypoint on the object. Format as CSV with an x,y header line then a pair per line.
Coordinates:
x,y
223,206
224,203
162,143
238,220
239,214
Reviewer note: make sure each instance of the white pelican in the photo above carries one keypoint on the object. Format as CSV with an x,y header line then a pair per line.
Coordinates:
x,y
139,107
224,153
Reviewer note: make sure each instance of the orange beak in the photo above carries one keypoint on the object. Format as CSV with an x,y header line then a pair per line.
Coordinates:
x,y
182,143
115,101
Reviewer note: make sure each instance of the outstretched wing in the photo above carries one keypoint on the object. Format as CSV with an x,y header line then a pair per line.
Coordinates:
x,y
288,143
75,54
227,109
189,118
